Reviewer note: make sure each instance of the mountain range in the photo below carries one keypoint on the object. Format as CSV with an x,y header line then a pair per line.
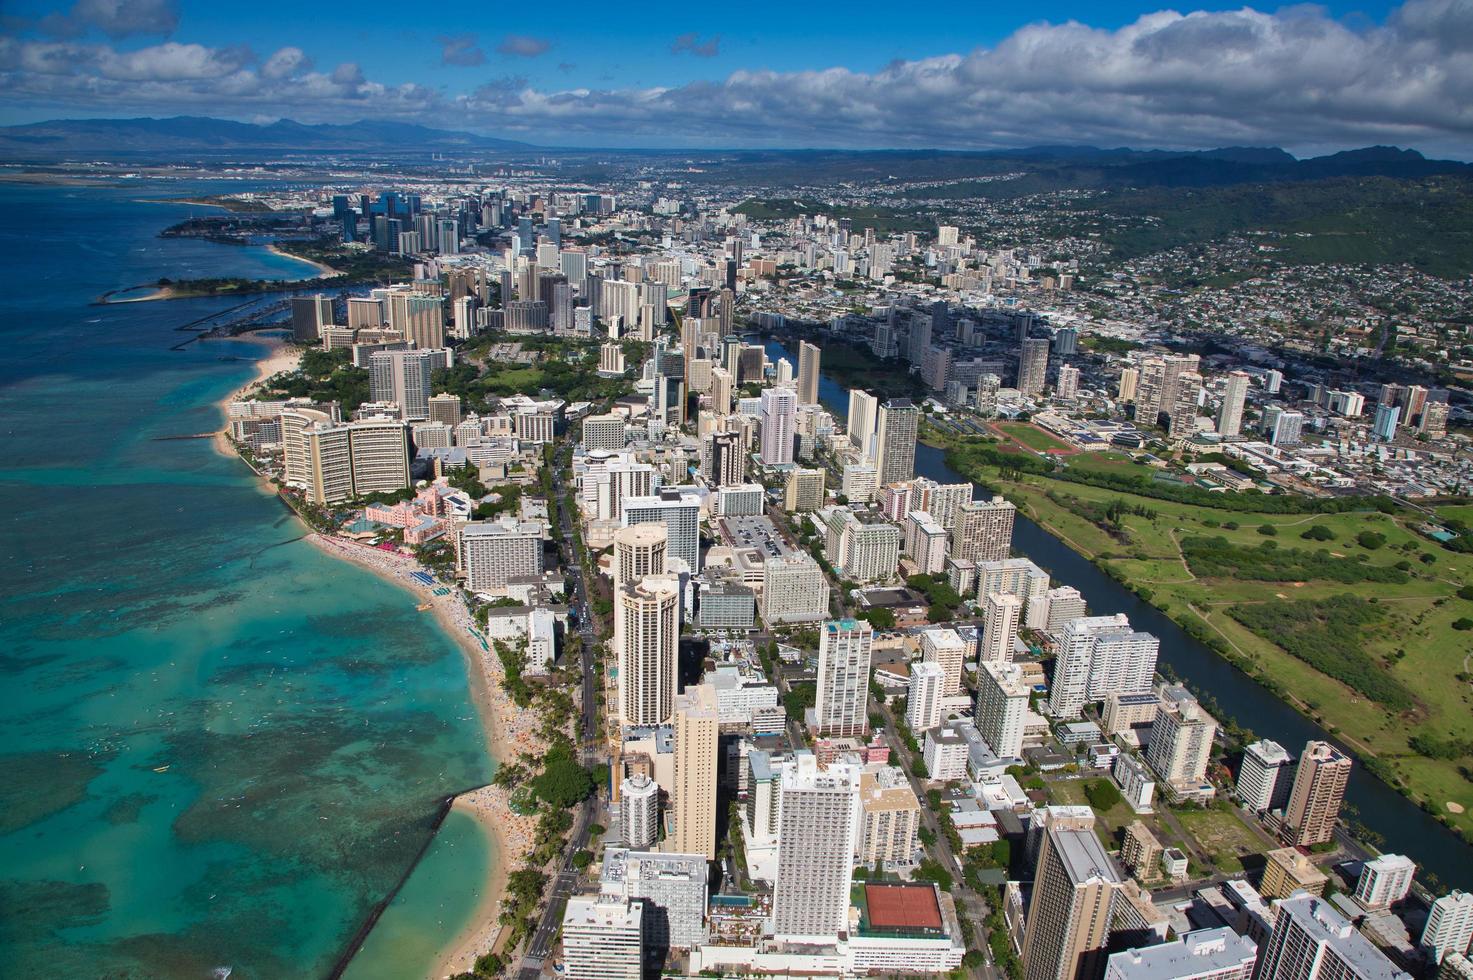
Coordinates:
x,y
201,135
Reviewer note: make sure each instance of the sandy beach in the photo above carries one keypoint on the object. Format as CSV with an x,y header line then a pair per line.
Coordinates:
x,y
280,358
509,731
324,271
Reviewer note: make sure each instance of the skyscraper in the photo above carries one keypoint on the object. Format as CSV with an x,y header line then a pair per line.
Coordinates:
x,y
945,647
779,425
1183,408
403,377
603,938
639,550
693,798
1312,941
1265,777
1319,788
1000,627
1099,656
1449,926
983,530
815,856
1181,739
864,411
1032,366
1002,708
1384,881
923,696
679,509
646,637
842,702
1074,896
808,359
1230,414
727,459
639,812
309,315
895,439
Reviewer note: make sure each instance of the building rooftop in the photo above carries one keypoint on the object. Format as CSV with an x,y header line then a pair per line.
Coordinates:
x,y
1192,955
1319,919
899,909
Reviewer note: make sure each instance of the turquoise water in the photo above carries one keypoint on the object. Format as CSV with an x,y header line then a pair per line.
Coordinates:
x,y
157,610
431,910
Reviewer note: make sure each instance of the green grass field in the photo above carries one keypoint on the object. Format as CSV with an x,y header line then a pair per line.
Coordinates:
x,y
1415,642
1033,437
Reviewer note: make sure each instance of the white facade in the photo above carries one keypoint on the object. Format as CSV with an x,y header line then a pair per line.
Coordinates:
x,y
1449,926
603,938
923,698
842,701
1384,881
1265,777
1000,627
1002,708
819,824
944,646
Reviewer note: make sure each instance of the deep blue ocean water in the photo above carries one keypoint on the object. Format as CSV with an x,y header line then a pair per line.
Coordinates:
x,y
158,610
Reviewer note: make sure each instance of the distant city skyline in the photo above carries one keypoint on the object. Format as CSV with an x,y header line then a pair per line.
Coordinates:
x,y
1309,78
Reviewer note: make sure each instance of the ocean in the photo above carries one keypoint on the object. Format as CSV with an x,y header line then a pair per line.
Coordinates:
x,y
219,747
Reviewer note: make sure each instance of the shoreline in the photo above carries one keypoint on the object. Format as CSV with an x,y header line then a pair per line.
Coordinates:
x,y
324,271
507,730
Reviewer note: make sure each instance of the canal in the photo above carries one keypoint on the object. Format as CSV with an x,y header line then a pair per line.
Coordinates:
x,y
1406,829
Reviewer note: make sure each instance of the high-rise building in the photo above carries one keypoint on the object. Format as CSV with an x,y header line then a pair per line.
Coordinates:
x,y
818,827
1000,627
679,509
310,314
1265,777
726,459
1032,366
945,647
1181,739
1319,789
1312,941
639,550
492,552
1388,417
842,702
603,938
794,590
779,425
403,377
1230,413
1099,656
1183,409
1449,926
890,816
646,639
1002,708
1286,871
672,888
1074,896
1384,881
804,490
1206,954
693,797
444,408
331,462
895,440
1067,388
808,360
923,696
1125,391
983,530
639,812
864,410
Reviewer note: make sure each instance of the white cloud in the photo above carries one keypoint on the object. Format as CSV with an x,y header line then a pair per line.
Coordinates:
x,y
1295,77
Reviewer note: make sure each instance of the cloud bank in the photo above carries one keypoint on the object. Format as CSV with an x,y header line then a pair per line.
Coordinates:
x,y
1295,77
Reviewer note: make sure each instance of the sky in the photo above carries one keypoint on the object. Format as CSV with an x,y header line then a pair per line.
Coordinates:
x,y
949,74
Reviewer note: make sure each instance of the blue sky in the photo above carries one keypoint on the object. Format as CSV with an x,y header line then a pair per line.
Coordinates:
x,y
764,73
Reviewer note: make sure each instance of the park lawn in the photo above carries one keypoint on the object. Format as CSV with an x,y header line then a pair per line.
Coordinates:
x,y
1456,512
1033,437
1222,835
1434,651
1106,462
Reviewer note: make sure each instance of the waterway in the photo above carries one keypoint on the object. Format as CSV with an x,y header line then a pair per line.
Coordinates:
x,y
219,747
1406,829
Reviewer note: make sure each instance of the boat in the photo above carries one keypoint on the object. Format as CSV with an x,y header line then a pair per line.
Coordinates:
x,y
162,768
